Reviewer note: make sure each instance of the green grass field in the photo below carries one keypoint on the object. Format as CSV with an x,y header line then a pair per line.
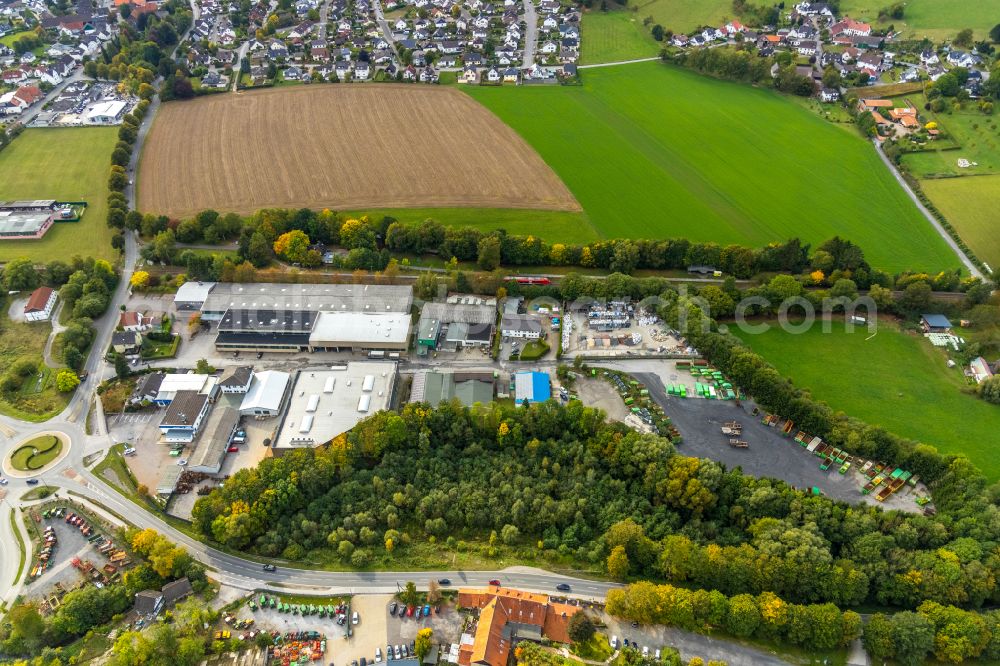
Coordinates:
x,y
686,15
553,226
68,165
970,204
937,19
655,151
36,454
896,380
614,35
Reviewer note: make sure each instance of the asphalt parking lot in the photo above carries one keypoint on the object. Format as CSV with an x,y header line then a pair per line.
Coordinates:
x,y
769,455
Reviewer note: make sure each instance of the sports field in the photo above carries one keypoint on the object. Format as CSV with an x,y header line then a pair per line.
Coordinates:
x,y
613,36
937,19
685,15
343,147
896,380
970,204
68,165
655,151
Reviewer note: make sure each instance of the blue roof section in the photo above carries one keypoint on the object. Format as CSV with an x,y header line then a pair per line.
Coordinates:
x,y
936,320
531,387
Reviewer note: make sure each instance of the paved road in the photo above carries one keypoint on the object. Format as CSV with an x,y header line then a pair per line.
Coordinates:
x,y
530,33
384,27
973,269
618,62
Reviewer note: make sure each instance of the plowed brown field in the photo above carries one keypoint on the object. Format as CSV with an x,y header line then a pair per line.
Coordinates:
x,y
340,146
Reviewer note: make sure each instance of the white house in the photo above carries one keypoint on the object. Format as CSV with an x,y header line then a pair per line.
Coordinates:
x,y
521,327
40,304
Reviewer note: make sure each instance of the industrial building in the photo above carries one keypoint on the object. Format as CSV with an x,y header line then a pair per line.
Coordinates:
x,y
521,327
448,326
184,416
267,394
26,219
531,387
210,452
174,383
468,388
327,402
303,317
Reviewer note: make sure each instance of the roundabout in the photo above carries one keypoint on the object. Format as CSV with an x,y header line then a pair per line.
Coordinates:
x,y
34,455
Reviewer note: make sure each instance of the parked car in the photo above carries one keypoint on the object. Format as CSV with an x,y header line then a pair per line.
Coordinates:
x,y
233,449
657,656
378,655
409,611
398,652
614,642
388,652
364,662
392,608
406,653
270,567
182,462
563,587
427,610
645,651
355,618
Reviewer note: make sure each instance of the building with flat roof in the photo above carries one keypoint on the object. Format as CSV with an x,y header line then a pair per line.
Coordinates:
x,y
531,387
27,225
40,304
184,416
172,383
226,296
265,330
361,331
107,113
192,295
267,394
327,402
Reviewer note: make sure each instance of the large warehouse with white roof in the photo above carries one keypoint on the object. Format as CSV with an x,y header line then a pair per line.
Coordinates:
x,y
326,402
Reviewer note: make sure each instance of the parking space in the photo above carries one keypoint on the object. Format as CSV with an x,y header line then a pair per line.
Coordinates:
x,y
134,418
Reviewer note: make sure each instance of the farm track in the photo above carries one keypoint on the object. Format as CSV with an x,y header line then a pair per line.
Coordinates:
x,y
343,147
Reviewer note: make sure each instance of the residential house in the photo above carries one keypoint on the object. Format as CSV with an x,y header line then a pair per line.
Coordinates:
x,y
126,342
40,304
133,321
829,95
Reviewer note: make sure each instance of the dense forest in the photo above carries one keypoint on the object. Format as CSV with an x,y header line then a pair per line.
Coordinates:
x,y
562,480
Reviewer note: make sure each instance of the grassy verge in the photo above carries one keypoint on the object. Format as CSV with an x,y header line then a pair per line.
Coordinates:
x,y
41,492
151,349
534,350
20,546
36,453
37,399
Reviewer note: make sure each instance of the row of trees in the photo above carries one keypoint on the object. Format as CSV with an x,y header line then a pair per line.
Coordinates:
x,y
765,616
950,634
744,64
128,134
560,480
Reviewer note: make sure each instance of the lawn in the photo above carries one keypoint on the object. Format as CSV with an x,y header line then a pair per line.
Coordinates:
x,y
63,164
36,400
553,226
896,380
686,15
153,349
614,35
654,151
937,19
36,454
970,204
976,135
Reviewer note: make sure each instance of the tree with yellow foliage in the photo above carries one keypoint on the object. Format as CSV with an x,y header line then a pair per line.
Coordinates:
x,y
140,279
422,643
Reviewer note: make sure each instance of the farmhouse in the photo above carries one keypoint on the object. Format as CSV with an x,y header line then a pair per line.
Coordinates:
x,y
328,402
40,304
507,616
